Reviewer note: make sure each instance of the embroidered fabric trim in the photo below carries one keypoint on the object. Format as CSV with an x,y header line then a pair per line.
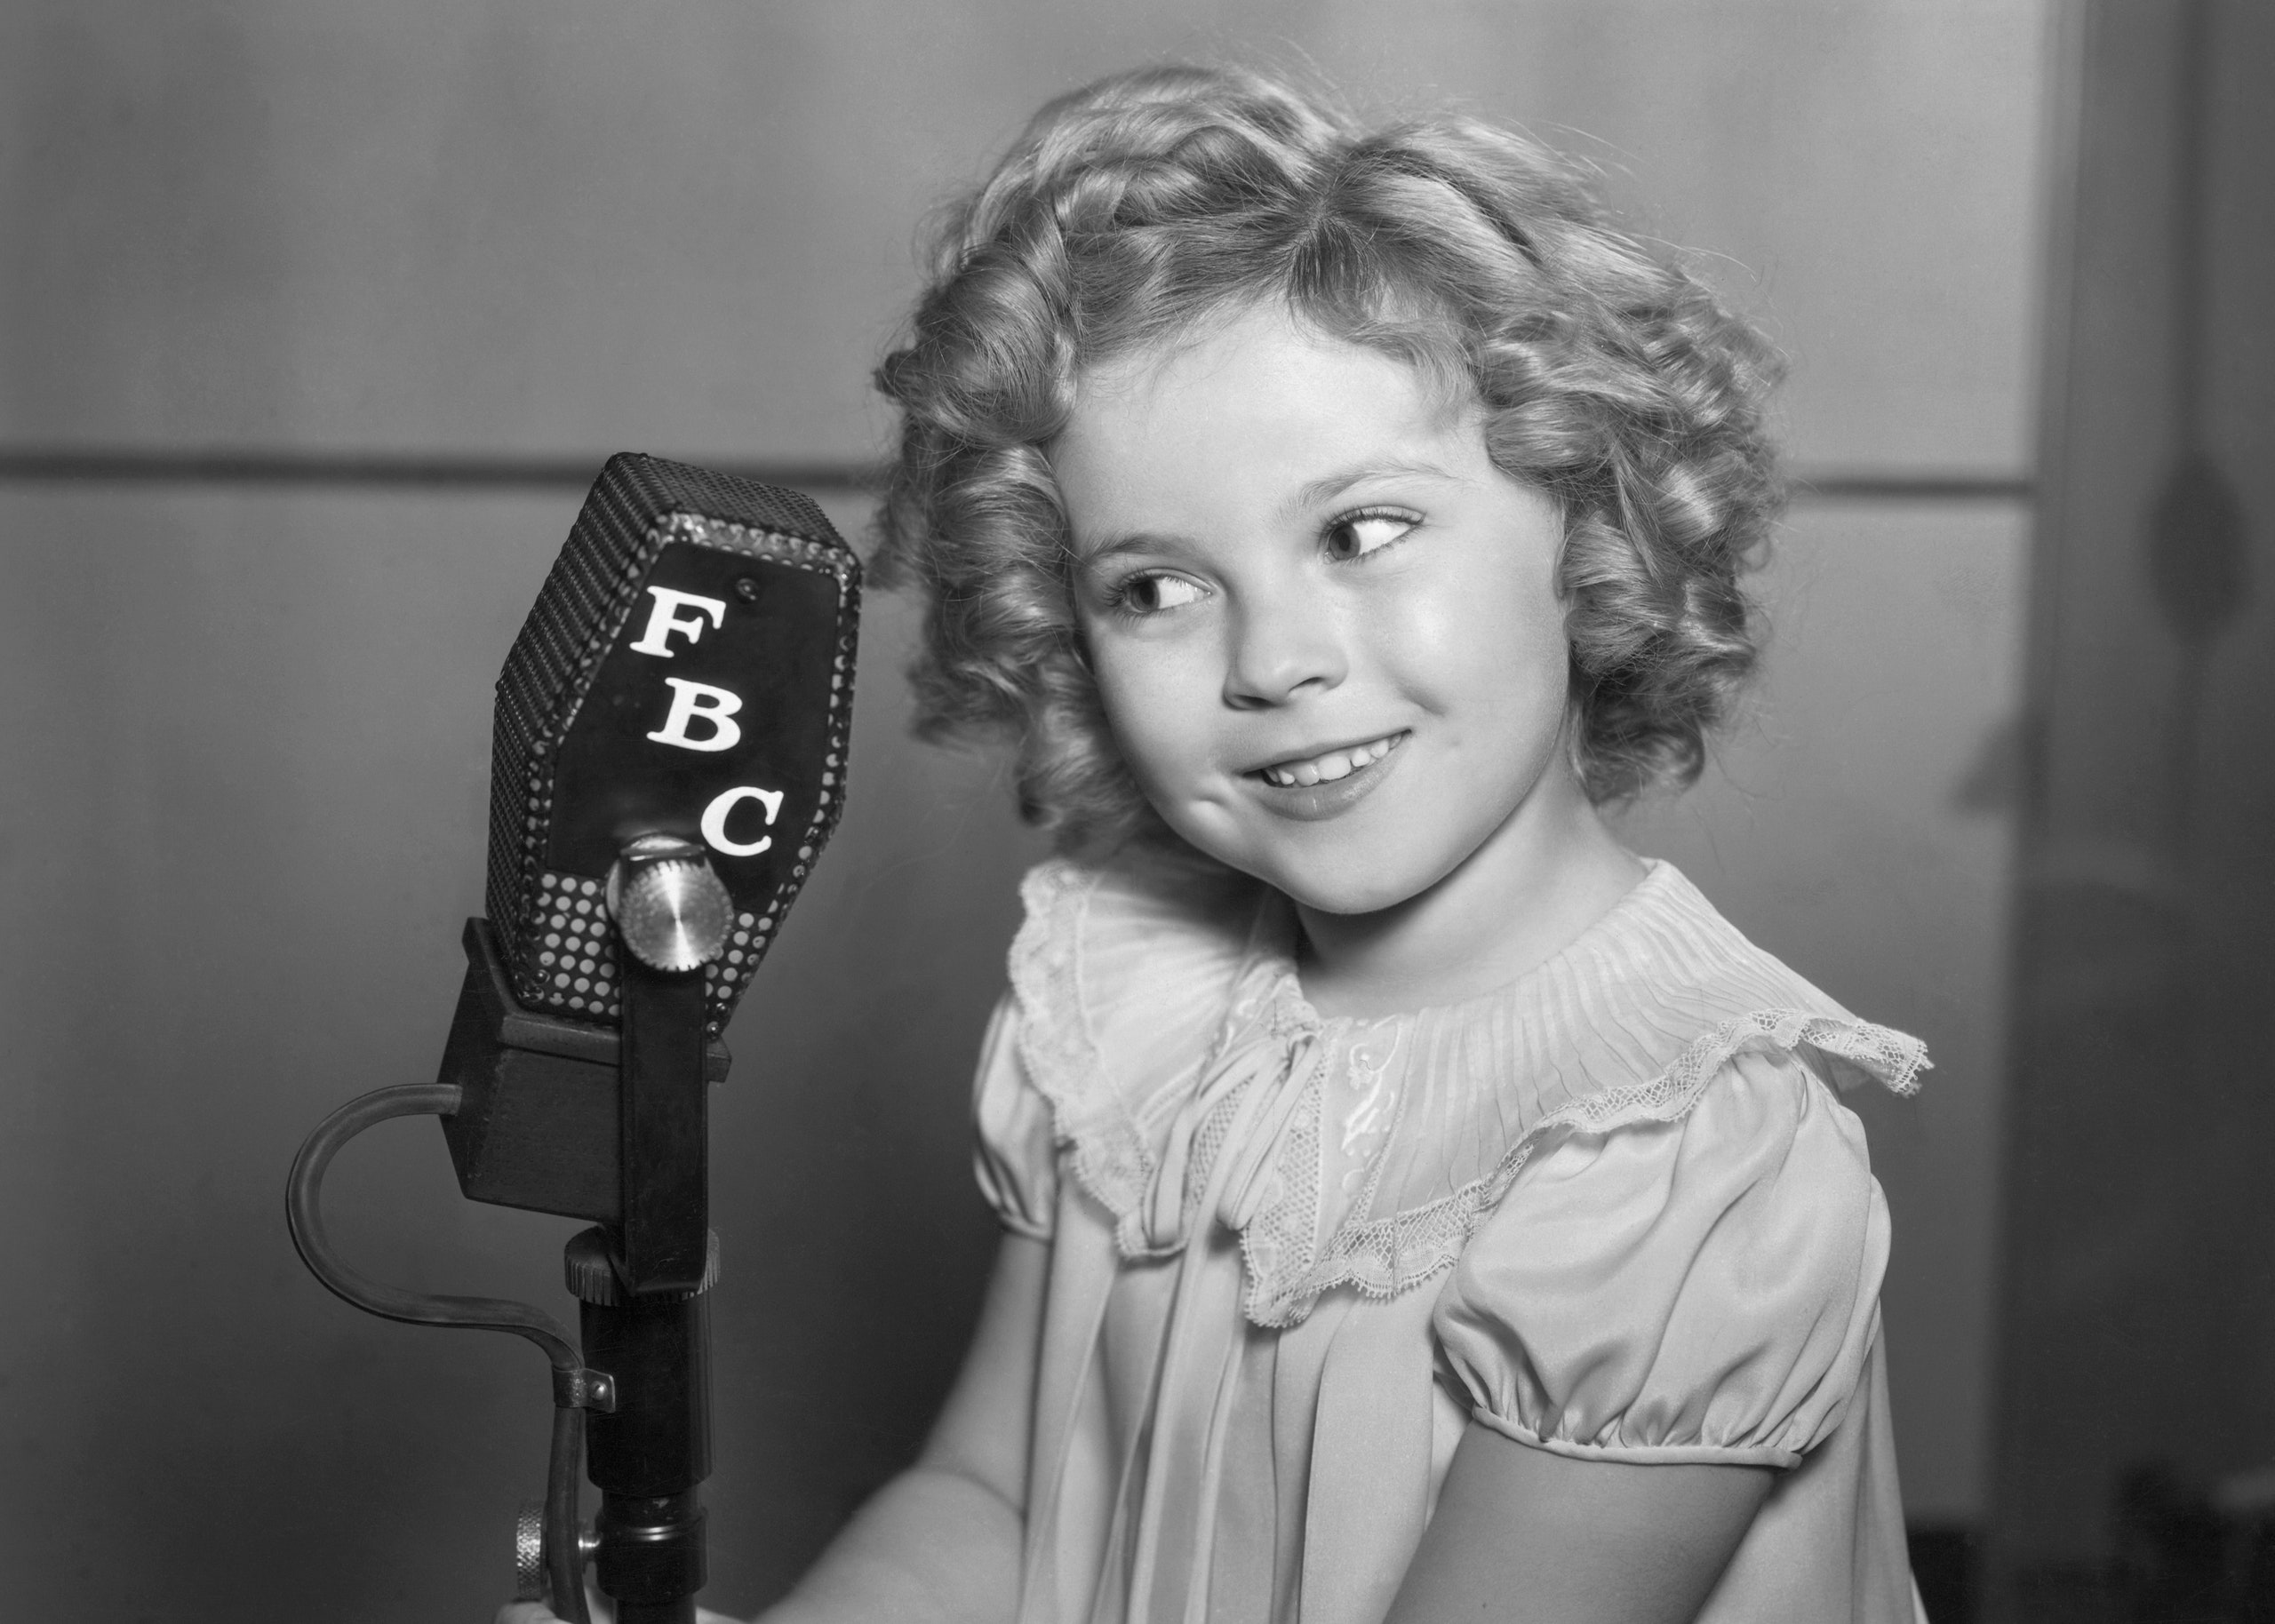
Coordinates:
x,y
1102,1145
1385,1256
1270,1036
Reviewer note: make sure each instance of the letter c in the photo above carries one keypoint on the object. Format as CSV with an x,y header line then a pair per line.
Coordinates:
x,y
714,821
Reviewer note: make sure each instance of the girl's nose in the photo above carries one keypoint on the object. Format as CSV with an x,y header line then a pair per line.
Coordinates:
x,y
1280,650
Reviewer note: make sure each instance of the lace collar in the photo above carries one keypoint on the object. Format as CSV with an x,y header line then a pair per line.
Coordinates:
x,y
1163,1020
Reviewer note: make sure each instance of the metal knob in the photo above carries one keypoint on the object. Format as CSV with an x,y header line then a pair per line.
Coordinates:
x,y
528,1552
673,910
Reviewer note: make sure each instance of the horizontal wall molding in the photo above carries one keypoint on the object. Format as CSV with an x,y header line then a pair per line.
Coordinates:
x,y
1909,485
437,471
413,470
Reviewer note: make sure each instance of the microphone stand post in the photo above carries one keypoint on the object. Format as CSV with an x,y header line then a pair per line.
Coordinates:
x,y
644,1286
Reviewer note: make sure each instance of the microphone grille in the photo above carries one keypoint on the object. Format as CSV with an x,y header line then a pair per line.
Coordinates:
x,y
571,778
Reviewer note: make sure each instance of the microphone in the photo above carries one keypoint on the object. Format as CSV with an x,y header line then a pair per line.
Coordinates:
x,y
687,670
686,673
668,761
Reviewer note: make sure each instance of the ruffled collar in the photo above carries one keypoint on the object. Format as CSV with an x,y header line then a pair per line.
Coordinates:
x,y
1164,1020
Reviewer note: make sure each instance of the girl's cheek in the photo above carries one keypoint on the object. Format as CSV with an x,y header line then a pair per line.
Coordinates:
x,y
1107,671
1137,717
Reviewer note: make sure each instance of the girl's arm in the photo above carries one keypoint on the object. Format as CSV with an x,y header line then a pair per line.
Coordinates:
x,y
1523,1534
942,1540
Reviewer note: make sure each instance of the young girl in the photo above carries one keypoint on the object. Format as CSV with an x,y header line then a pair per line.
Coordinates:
x,y
1417,1205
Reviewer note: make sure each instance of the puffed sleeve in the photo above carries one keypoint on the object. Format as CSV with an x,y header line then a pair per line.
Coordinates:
x,y
1701,1290
1014,1155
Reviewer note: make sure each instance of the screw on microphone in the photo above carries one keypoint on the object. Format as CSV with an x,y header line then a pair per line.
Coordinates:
x,y
671,911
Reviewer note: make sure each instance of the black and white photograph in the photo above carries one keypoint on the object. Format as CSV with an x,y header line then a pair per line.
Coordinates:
x,y
1175,812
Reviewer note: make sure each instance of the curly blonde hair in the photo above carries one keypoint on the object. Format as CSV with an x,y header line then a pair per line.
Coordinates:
x,y
1135,209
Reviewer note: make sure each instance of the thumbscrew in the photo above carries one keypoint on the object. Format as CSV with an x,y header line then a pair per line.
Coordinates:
x,y
674,912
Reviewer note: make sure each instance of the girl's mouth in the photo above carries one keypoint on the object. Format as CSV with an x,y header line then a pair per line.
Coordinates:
x,y
1330,765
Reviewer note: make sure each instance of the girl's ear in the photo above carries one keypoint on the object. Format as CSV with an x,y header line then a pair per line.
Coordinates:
x,y
1566,523
1574,733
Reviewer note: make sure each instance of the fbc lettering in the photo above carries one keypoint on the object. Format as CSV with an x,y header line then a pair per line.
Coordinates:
x,y
702,717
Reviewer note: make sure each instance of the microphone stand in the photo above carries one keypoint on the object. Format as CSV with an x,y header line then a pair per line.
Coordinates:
x,y
687,670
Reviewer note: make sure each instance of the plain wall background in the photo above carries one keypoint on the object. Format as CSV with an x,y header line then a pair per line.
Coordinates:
x,y
244,729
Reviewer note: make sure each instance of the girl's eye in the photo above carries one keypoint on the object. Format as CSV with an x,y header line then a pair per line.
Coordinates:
x,y
1149,594
1356,534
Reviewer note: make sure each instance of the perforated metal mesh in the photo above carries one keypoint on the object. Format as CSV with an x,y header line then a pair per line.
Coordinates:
x,y
554,927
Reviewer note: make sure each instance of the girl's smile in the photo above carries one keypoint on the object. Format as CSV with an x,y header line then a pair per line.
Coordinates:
x,y
1324,625
1331,764
1322,783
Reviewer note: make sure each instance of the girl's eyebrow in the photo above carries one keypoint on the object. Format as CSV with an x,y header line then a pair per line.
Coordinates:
x,y
1311,494
1135,541
1329,486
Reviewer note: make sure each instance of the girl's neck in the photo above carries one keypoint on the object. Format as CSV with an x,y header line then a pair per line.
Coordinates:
x,y
1509,906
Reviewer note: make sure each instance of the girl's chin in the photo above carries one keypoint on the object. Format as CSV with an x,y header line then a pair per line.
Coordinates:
x,y
1343,870
1339,887
1351,899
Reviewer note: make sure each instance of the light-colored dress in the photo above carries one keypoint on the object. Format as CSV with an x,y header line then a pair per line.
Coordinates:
x,y
1612,1210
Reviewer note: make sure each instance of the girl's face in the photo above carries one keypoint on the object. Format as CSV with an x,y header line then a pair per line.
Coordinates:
x,y
1324,625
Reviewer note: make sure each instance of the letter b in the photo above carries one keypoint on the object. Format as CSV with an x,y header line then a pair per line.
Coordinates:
x,y
691,700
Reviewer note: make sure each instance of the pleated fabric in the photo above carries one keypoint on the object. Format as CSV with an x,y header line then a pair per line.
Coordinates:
x,y
1613,1210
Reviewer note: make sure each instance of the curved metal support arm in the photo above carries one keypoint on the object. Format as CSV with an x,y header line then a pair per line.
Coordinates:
x,y
302,1197
574,1386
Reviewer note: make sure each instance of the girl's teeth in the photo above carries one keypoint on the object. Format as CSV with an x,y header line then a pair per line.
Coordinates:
x,y
1327,768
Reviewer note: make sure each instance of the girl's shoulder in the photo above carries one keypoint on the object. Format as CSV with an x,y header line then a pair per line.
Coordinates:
x,y
1629,1024
1121,975
1664,985
1634,1040
1679,1256
1170,897
1123,969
